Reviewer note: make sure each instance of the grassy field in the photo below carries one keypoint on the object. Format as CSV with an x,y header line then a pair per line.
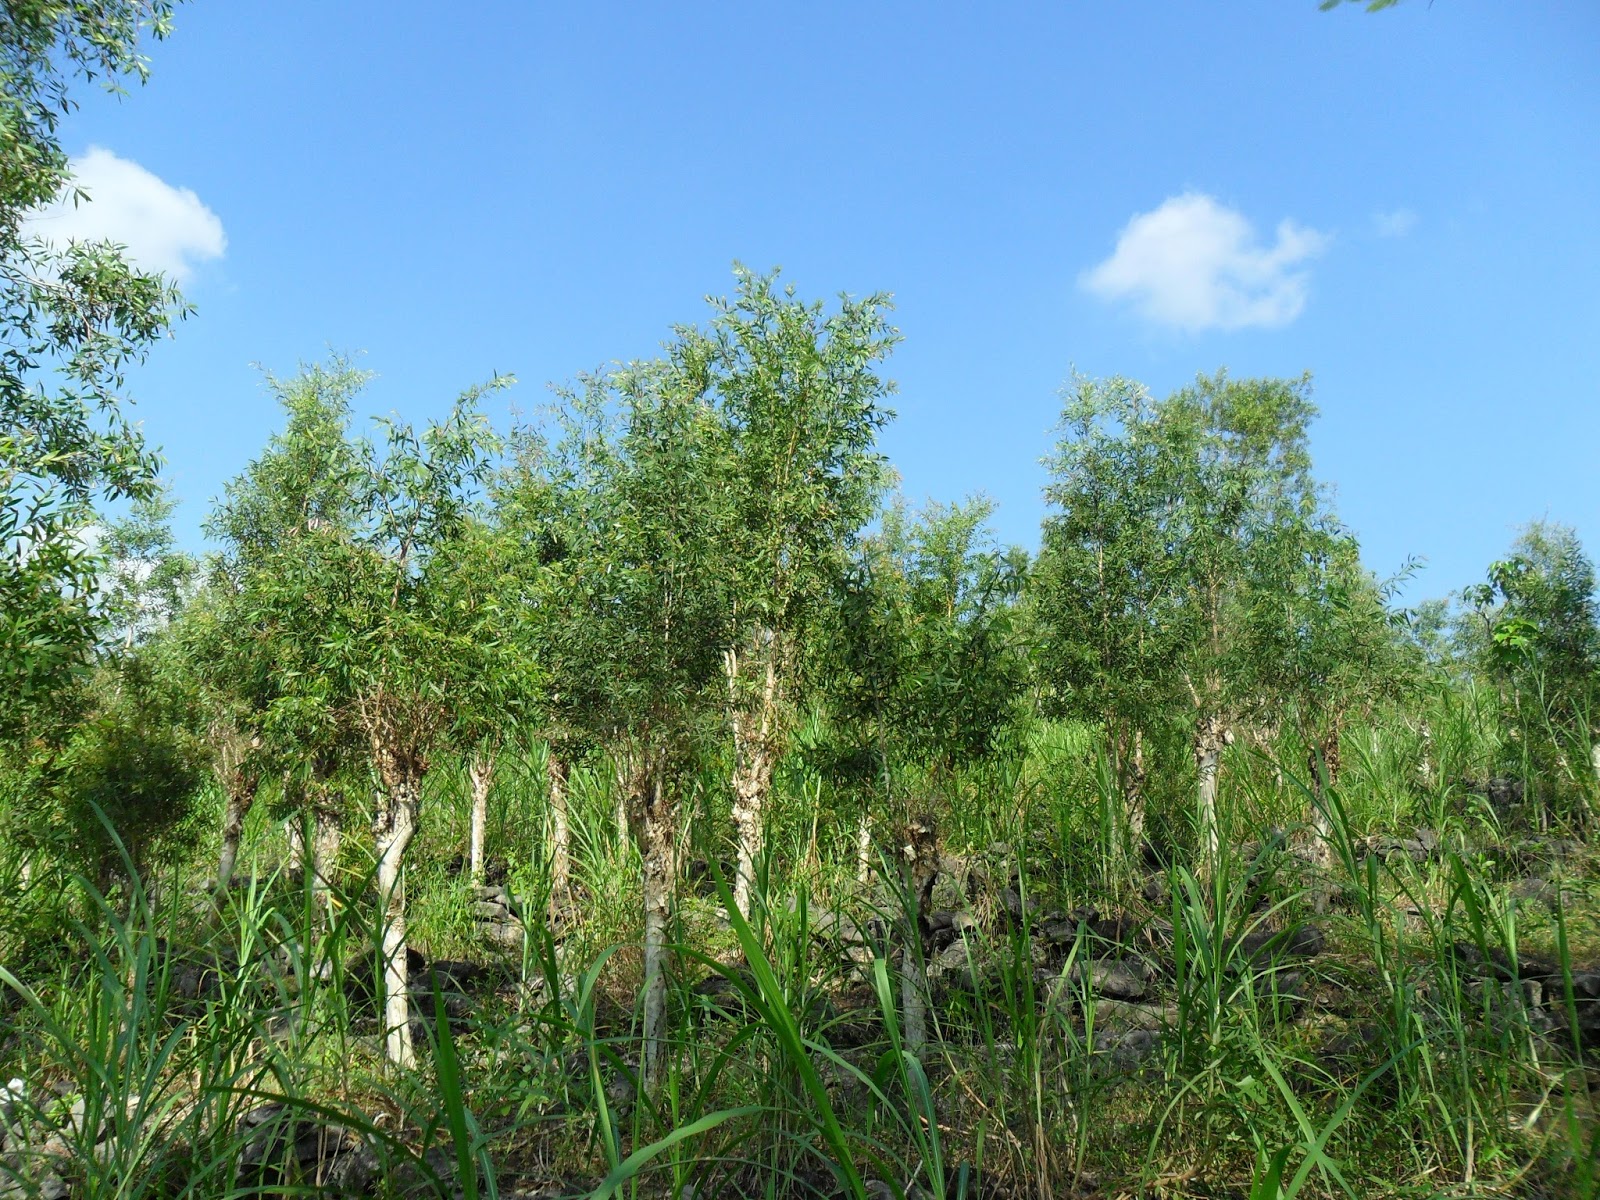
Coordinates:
x,y
1042,1018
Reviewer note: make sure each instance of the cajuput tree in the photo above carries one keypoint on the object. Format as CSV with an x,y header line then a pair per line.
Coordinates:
x,y
641,514
338,584
256,634
1328,648
542,499
1171,516
481,577
1536,627
72,320
1242,468
921,662
1106,585
799,399
396,648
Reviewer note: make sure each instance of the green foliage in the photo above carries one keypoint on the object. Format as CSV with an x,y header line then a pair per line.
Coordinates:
x,y
1541,614
924,662
71,321
134,758
639,518
256,636
799,402
1107,584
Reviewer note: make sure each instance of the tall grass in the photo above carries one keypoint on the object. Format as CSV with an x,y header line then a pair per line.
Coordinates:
x,y
1396,1062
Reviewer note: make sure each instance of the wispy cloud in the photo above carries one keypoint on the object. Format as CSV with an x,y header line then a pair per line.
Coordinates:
x,y
1194,264
164,228
1395,224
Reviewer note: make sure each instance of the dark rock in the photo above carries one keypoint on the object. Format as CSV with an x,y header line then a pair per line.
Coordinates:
x,y
1015,906
1502,792
282,1149
1120,1016
1300,941
1127,1049
1421,847
1355,1048
1497,964
1118,979
1586,1006
1284,992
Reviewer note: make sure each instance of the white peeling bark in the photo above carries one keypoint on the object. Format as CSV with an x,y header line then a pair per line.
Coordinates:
x,y
1208,742
623,771
754,757
236,807
394,823
326,838
1133,797
480,776
921,864
239,782
864,848
1323,764
555,771
655,820
294,834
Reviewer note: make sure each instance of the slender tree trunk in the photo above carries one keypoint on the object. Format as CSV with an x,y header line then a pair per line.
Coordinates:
x,y
1322,764
326,838
555,771
240,780
752,784
294,833
1208,743
238,799
480,775
1425,766
754,757
864,848
623,769
394,823
1133,797
921,854
655,821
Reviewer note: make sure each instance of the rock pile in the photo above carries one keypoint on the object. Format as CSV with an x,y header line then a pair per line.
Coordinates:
x,y
498,915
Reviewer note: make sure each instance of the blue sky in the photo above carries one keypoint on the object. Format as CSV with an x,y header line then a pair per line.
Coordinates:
x,y
1404,204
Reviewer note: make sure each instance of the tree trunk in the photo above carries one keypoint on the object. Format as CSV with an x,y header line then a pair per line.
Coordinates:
x,y
239,797
921,855
480,774
655,821
394,823
623,770
754,757
326,838
294,833
864,848
1320,768
752,784
1133,798
555,770
1208,743
232,761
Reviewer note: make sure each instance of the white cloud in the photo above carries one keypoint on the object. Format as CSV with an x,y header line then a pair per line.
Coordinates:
x,y
165,228
1193,264
1394,224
